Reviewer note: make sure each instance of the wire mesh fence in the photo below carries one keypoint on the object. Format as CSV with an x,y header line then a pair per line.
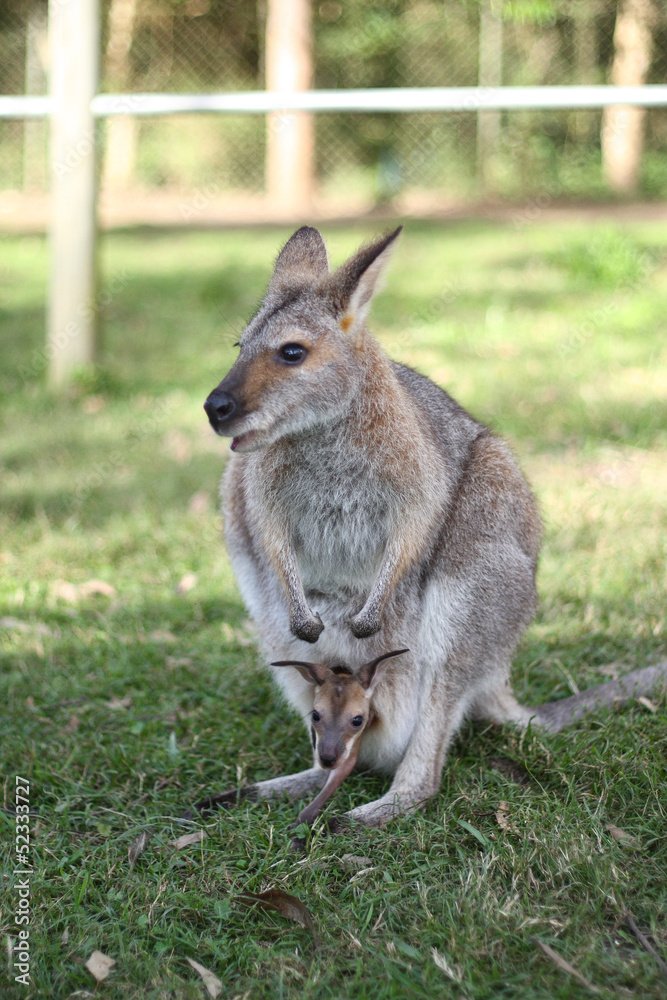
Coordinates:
x,y
360,159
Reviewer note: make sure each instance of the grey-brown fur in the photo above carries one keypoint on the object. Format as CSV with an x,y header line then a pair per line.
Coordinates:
x,y
366,510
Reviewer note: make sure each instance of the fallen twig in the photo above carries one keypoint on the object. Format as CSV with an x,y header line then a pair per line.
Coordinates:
x,y
644,942
139,845
565,966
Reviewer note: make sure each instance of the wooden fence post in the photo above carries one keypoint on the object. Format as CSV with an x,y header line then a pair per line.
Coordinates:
x,y
623,126
290,140
74,41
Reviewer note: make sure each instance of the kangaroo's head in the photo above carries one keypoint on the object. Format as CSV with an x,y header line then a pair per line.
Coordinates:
x,y
342,707
301,355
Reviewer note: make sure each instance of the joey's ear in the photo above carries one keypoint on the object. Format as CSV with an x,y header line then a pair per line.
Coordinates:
x,y
314,673
301,260
355,282
371,673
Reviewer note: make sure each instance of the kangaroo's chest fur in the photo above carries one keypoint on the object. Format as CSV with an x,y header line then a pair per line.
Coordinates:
x,y
344,488
338,512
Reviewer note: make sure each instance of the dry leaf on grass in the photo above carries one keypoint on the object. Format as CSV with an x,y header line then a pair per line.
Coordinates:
x,y
72,724
284,904
199,503
116,703
177,446
501,817
621,836
186,583
237,635
70,592
173,662
243,638
189,838
100,965
363,872
93,404
162,635
14,623
565,966
65,591
353,862
18,625
211,982
65,938
138,846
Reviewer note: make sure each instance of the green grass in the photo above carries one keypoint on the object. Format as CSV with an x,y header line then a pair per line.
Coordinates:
x,y
553,334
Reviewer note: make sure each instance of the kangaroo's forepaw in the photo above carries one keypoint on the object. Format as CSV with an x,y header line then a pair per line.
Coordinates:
x,y
365,624
338,824
221,800
309,629
298,845
328,827
389,806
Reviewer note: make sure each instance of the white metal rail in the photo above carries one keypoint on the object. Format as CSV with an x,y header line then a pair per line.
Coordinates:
x,y
73,105
397,99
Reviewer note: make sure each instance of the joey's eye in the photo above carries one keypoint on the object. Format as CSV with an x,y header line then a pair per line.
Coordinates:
x,y
292,353
315,716
357,721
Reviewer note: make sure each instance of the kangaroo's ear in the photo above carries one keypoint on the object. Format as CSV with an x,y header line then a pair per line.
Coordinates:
x,y
355,282
302,260
314,673
372,673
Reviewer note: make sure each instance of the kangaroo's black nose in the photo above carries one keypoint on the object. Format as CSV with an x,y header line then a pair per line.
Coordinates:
x,y
327,761
219,407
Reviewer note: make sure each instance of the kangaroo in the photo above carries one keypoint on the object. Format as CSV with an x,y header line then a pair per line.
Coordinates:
x,y
366,510
342,710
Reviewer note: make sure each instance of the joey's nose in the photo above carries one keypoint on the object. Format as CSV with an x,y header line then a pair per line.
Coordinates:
x,y
326,760
219,407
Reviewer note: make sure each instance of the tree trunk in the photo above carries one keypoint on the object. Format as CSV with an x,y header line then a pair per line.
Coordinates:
x,y
623,126
290,141
122,131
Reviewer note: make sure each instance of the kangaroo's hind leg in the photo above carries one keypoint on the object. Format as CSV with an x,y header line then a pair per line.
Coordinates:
x,y
289,786
417,777
495,702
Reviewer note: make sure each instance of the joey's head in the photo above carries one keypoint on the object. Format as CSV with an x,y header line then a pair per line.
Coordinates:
x,y
300,357
342,706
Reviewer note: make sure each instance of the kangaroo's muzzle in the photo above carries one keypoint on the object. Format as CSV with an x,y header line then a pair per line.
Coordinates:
x,y
220,407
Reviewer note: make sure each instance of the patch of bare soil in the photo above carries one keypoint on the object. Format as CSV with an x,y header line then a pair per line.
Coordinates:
x,y
22,212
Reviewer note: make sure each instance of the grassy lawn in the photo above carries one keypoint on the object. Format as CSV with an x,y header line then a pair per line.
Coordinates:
x,y
126,699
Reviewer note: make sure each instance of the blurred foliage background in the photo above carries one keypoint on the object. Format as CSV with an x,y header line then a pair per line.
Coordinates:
x,y
213,45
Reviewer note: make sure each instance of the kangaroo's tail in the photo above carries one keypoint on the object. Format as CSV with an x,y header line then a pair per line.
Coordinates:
x,y
556,715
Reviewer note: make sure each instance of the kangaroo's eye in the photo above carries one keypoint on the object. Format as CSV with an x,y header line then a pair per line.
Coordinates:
x,y
292,353
315,716
357,720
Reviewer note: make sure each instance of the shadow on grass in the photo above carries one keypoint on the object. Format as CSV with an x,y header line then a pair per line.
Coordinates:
x,y
152,667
